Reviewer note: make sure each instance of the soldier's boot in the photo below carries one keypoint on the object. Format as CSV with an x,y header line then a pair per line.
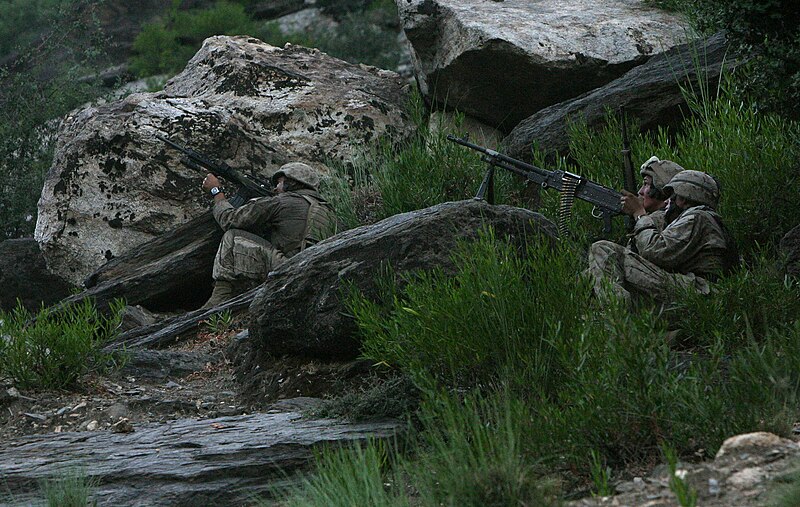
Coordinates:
x,y
223,291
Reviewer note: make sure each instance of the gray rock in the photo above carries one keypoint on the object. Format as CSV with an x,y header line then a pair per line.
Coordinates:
x,y
790,247
113,185
163,364
502,62
24,276
299,309
223,461
650,93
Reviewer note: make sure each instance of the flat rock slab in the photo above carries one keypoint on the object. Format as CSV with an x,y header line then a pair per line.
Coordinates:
x,y
223,461
501,62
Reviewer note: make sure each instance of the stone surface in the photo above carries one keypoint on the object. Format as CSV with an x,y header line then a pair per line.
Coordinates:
x,y
651,94
113,185
24,276
744,473
299,309
500,62
790,247
222,461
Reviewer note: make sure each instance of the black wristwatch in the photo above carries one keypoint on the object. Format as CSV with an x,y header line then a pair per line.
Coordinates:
x,y
214,191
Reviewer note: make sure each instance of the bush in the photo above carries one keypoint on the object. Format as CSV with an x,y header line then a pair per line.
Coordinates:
x,y
57,347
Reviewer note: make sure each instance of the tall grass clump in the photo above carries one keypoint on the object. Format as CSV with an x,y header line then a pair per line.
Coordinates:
x,y
55,348
358,474
473,451
498,311
70,489
743,306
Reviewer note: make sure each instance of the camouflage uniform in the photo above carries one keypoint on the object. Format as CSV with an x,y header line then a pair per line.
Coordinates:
x,y
263,233
689,252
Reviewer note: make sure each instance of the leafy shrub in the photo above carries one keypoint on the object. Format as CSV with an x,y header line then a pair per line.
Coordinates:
x,y
57,347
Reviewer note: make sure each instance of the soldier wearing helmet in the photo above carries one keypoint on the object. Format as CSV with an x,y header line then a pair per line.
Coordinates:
x,y
691,251
651,198
264,232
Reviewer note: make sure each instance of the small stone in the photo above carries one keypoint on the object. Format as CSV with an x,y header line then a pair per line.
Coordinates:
x,y
78,406
122,426
713,487
92,425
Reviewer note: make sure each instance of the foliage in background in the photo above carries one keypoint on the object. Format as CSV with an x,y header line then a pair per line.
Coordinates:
x,y
164,46
769,32
57,347
48,80
366,33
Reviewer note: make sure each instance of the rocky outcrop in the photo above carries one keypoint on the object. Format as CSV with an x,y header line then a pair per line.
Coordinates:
x,y
742,474
299,309
650,93
503,61
222,461
113,185
24,277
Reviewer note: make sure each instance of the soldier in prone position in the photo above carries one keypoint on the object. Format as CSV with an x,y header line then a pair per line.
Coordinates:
x,y
264,232
691,251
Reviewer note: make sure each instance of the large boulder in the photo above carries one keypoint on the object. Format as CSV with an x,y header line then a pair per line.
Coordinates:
x,y
299,310
503,61
113,185
650,93
24,277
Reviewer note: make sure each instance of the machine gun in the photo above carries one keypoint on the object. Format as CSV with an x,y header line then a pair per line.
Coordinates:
x,y
606,201
249,186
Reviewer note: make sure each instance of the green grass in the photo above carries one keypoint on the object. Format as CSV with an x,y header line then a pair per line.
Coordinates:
x,y
70,489
54,349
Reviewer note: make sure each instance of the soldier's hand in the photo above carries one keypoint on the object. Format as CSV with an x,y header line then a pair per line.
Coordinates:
x,y
632,204
210,182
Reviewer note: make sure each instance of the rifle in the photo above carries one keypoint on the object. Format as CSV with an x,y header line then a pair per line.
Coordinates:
x,y
249,186
606,201
627,165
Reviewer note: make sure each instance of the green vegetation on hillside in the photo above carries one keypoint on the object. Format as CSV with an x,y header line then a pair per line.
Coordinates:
x,y
49,76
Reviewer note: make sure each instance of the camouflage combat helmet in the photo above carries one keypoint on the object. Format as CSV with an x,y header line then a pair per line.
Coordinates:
x,y
695,186
662,171
300,172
